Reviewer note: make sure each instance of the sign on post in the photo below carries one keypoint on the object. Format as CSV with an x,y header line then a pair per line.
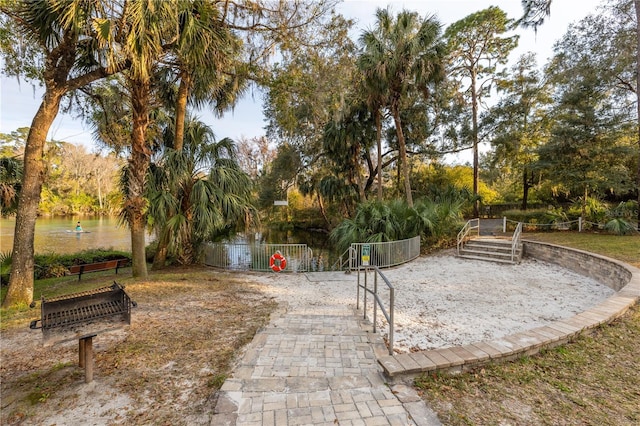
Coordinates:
x,y
365,256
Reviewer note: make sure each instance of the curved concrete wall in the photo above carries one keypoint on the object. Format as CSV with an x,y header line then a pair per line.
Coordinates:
x,y
609,272
623,278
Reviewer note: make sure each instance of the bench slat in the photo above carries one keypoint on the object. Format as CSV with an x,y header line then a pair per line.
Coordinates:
x,y
97,267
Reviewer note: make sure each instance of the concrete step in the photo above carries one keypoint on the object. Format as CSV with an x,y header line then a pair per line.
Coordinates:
x,y
489,248
493,242
487,259
490,254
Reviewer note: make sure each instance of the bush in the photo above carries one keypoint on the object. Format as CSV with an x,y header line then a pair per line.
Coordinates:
x,y
538,219
619,226
55,265
5,267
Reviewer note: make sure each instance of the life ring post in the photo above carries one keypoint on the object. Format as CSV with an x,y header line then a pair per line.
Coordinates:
x,y
277,263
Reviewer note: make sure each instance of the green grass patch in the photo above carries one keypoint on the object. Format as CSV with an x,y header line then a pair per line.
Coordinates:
x,y
625,248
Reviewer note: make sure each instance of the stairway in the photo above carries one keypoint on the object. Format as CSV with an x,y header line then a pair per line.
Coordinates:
x,y
490,249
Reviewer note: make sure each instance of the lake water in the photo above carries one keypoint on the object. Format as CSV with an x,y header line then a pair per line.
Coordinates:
x,y
54,235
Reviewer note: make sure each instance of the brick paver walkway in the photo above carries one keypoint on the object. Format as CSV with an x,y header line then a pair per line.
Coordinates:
x,y
316,366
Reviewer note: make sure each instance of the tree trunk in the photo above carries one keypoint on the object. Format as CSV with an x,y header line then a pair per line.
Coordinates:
x,y
474,113
181,110
20,290
138,166
403,154
379,143
160,258
637,6
322,210
525,188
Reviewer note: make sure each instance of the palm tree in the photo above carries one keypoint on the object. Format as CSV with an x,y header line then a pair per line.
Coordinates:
x,y
195,193
152,25
72,52
401,56
207,62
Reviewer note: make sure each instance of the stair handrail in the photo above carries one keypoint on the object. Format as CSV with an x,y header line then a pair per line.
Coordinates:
x,y
515,242
465,232
377,301
340,263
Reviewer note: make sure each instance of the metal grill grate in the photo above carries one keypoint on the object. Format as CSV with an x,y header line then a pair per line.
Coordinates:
x,y
84,307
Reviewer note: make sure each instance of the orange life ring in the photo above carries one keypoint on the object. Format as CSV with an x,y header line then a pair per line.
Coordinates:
x,y
277,262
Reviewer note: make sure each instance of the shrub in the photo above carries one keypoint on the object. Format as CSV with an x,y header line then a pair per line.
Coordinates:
x,y
619,226
375,221
595,210
538,219
55,265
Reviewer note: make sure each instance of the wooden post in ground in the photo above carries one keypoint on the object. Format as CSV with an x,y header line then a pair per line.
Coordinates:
x,y
85,352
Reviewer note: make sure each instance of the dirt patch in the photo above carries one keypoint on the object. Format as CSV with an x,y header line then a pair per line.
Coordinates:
x,y
164,369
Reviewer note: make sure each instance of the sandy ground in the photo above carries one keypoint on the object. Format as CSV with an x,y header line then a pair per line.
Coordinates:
x,y
440,301
443,301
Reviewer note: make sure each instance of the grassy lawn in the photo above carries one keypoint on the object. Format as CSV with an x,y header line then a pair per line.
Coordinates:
x,y
592,381
625,248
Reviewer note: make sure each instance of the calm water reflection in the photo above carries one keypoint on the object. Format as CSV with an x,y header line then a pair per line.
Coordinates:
x,y
54,235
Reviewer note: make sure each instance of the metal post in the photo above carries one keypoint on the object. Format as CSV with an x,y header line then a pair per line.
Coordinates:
x,y
392,303
580,224
364,302
358,292
375,298
504,224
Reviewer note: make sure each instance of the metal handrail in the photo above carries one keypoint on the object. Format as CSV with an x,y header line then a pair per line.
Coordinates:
x,y
378,301
515,241
340,263
466,231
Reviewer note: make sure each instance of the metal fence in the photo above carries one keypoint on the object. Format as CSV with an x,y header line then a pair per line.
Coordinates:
x,y
385,254
261,257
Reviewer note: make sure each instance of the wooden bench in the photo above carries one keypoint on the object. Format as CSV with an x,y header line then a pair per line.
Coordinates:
x,y
97,267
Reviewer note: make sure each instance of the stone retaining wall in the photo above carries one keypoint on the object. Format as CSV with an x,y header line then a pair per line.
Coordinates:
x,y
609,272
623,278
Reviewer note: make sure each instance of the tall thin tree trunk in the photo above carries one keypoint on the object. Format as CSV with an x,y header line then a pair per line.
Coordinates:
x,y
637,5
138,166
525,188
181,110
403,154
322,210
20,289
474,113
379,143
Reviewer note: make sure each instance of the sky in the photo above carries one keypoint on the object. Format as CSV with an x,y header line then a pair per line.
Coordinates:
x,y
20,101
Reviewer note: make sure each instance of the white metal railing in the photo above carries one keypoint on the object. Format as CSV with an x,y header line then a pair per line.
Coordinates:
x,y
515,243
376,299
472,227
257,257
385,254
344,260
